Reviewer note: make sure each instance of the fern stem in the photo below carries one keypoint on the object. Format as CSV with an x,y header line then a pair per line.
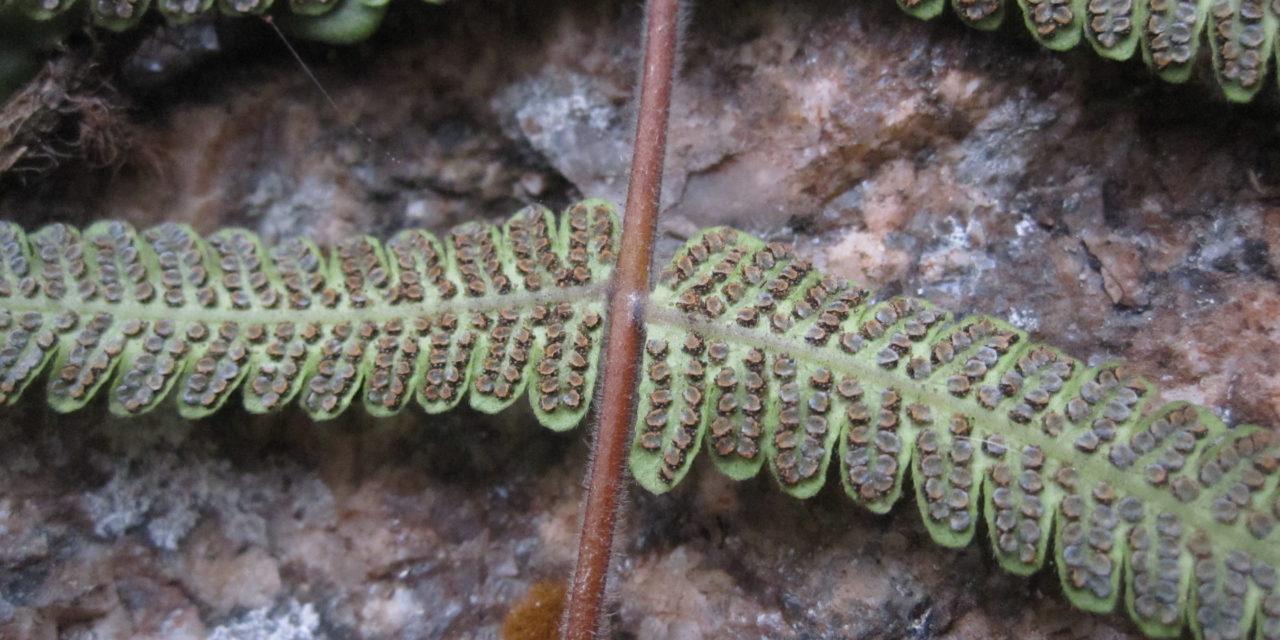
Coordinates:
x,y
626,308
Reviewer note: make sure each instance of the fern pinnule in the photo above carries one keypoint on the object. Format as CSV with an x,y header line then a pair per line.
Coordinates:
x,y
766,362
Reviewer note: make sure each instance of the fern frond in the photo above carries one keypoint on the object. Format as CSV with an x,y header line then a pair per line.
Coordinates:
x,y
751,354
763,361
491,313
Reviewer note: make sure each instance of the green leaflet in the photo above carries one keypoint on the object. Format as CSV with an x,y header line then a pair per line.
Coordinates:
x,y
117,15
488,313
353,21
1241,35
1056,24
1111,26
37,10
1171,35
980,14
180,11
763,361
751,354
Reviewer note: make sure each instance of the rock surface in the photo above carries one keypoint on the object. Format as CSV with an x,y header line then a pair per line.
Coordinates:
x,y
1107,213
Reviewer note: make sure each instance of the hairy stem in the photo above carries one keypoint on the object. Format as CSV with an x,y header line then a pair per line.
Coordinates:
x,y
630,287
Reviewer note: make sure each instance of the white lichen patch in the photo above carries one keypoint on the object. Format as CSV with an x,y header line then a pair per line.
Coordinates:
x,y
558,110
681,594
164,488
957,256
289,620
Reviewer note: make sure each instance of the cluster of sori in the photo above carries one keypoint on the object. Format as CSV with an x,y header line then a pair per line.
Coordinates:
x,y
776,365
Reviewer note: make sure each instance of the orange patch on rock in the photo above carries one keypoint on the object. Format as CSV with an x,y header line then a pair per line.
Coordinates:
x,y
536,616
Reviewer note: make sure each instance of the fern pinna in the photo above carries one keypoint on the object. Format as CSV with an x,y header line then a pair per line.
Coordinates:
x,y
1240,33
751,354
165,309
